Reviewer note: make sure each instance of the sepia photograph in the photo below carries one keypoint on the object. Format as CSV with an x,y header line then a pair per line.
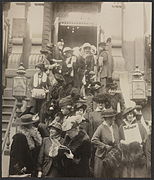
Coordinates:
x,y
76,89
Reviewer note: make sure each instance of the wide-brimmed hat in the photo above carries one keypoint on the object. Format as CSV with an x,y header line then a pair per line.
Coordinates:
x,y
59,77
71,122
42,51
108,113
66,49
112,85
100,98
55,124
102,44
85,45
41,66
66,102
138,107
96,85
25,120
50,45
128,110
79,105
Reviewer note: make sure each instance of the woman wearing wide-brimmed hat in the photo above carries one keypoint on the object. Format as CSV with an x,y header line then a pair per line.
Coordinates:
x,y
39,86
49,162
133,164
25,147
106,140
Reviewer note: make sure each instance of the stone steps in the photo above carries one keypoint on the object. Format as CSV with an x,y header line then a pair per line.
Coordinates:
x,y
7,108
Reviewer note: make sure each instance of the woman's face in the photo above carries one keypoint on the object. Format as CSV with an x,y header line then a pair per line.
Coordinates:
x,y
72,132
79,112
87,50
110,120
130,116
112,92
38,70
52,131
100,106
68,54
65,110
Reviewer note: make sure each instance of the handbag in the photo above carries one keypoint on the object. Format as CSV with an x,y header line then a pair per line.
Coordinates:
x,y
38,93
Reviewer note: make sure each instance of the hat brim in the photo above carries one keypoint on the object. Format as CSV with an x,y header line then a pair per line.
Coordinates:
x,y
110,115
18,123
128,111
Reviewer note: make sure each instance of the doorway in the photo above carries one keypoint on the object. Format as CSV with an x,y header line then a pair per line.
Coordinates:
x,y
76,36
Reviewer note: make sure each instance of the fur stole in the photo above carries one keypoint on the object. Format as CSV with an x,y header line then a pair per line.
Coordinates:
x,y
33,137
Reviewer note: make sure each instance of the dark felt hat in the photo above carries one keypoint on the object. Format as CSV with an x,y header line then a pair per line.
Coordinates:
x,y
66,102
79,105
25,120
41,66
59,77
55,124
128,110
112,85
42,51
100,98
108,113
102,44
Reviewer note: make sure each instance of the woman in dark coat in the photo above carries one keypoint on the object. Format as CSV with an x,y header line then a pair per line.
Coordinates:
x,y
25,147
107,155
49,162
79,144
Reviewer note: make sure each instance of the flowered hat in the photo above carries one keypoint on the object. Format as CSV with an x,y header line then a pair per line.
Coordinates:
x,y
71,122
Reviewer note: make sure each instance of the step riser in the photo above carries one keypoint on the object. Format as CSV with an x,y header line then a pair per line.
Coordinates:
x,y
4,125
8,102
8,93
3,134
6,117
7,109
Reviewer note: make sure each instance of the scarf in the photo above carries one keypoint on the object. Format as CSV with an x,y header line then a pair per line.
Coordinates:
x,y
33,137
37,80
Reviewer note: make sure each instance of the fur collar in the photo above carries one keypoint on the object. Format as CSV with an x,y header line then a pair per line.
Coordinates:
x,y
33,137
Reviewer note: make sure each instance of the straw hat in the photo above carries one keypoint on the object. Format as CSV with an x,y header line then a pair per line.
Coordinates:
x,y
66,49
85,45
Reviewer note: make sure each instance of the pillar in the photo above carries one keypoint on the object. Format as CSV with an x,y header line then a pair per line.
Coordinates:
x,y
47,23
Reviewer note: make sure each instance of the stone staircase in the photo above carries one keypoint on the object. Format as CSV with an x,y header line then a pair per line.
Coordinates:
x,y
7,107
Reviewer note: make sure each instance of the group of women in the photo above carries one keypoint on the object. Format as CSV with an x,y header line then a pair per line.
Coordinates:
x,y
77,122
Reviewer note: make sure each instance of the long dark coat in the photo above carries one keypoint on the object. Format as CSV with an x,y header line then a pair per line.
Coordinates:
x,y
79,72
100,139
95,119
21,156
50,167
80,147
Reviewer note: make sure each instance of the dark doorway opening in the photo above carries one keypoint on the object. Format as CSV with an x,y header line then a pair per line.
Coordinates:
x,y
74,36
